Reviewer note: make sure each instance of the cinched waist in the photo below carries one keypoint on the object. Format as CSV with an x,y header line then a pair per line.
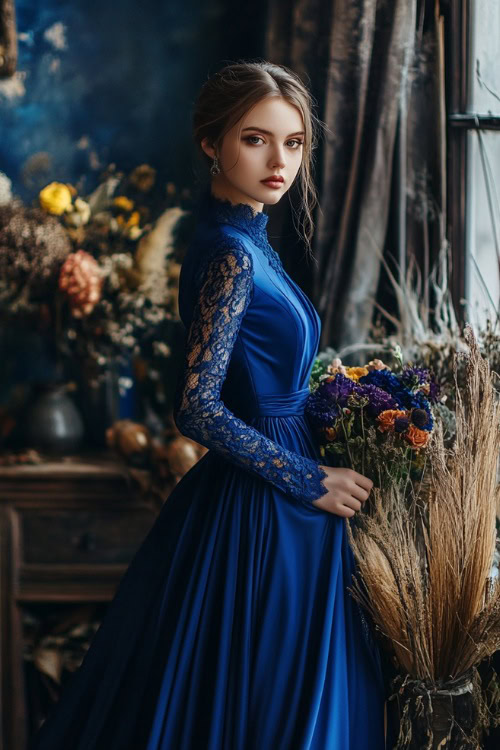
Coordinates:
x,y
281,404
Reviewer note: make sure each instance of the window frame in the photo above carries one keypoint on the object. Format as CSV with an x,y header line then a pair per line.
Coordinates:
x,y
459,122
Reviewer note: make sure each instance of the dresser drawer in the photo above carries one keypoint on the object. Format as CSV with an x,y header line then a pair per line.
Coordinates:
x,y
77,536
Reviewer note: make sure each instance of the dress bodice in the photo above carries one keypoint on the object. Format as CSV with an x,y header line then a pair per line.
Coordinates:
x,y
279,334
252,335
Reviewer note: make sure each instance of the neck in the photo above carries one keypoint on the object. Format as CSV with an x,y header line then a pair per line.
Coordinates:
x,y
241,215
228,193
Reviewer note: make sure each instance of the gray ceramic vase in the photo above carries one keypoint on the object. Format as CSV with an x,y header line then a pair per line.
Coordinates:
x,y
53,423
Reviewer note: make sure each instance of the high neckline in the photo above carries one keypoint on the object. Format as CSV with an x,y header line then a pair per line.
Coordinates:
x,y
240,215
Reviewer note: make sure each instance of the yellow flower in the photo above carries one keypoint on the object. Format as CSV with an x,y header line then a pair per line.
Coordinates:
x,y
131,225
121,201
133,220
355,373
55,198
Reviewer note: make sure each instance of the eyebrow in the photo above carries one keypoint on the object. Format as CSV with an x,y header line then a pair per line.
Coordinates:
x,y
268,132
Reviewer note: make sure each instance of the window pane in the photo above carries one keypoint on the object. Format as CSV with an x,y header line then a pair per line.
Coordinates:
x,y
485,57
482,228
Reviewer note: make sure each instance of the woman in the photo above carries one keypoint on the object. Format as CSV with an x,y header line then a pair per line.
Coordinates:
x,y
233,628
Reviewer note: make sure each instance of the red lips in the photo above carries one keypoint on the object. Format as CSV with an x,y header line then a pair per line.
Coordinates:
x,y
274,178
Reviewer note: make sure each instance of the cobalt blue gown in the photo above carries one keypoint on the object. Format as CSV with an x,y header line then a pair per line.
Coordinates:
x,y
232,628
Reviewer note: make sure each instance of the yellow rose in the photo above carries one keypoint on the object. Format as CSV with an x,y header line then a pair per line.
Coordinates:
x,y
55,198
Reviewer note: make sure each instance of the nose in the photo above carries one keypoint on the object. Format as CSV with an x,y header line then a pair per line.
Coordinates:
x,y
277,158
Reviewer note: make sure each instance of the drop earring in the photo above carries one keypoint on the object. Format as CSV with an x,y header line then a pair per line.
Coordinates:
x,y
215,169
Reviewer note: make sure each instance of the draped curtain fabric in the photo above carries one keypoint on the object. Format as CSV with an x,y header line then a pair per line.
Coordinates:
x,y
375,69
8,39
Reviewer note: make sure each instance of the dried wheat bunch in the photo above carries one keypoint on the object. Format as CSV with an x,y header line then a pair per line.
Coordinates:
x,y
424,567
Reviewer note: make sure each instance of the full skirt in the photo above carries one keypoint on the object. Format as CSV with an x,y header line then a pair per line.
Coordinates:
x,y
232,628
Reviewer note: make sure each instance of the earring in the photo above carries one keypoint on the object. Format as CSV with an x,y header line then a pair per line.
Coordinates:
x,y
215,169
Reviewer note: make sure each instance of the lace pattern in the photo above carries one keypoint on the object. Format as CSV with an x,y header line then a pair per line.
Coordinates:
x,y
253,223
224,295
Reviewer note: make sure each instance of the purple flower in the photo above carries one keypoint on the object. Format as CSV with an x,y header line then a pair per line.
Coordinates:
x,y
339,389
320,411
378,400
434,391
415,376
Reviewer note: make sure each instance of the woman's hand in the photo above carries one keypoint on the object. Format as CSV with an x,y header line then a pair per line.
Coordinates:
x,y
347,490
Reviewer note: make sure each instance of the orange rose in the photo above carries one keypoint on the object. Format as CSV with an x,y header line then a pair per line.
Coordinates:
x,y
388,417
331,433
416,437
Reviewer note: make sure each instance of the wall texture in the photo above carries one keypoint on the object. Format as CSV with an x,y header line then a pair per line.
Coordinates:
x,y
100,82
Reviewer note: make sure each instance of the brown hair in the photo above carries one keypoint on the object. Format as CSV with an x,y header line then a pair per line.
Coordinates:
x,y
227,95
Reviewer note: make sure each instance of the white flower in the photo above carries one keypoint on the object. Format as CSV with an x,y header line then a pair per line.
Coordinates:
x,y
5,189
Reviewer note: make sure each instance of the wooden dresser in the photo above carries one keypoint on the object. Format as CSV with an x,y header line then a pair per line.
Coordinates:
x,y
68,530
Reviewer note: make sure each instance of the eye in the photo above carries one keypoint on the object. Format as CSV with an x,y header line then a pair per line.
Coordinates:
x,y
297,141
249,137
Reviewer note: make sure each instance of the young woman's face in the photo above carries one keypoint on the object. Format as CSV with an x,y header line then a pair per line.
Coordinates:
x,y
267,141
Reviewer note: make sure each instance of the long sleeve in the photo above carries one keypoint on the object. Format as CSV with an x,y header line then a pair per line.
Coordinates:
x,y
199,413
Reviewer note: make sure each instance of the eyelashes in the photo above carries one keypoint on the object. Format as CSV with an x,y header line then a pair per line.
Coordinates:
x,y
298,141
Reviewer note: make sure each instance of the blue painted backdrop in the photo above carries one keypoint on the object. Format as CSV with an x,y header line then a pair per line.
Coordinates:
x,y
102,82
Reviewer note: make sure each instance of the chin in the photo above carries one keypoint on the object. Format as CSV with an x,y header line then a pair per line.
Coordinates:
x,y
270,198
277,198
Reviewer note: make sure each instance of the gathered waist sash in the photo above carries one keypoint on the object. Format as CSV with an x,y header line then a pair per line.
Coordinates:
x,y
281,404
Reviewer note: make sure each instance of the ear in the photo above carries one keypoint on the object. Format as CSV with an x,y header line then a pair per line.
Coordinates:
x,y
207,147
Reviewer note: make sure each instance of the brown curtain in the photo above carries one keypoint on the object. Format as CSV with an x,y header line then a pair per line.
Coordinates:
x,y
8,39
375,69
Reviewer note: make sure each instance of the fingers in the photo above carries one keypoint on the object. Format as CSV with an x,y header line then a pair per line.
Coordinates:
x,y
353,503
360,494
347,512
361,480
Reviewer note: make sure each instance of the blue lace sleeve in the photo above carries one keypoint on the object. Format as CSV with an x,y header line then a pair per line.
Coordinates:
x,y
199,413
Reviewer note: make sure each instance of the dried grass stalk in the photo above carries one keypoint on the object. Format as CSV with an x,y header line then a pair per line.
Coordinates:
x,y
425,565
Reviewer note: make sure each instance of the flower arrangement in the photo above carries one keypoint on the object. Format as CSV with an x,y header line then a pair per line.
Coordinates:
x,y
376,420
98,273
116,282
